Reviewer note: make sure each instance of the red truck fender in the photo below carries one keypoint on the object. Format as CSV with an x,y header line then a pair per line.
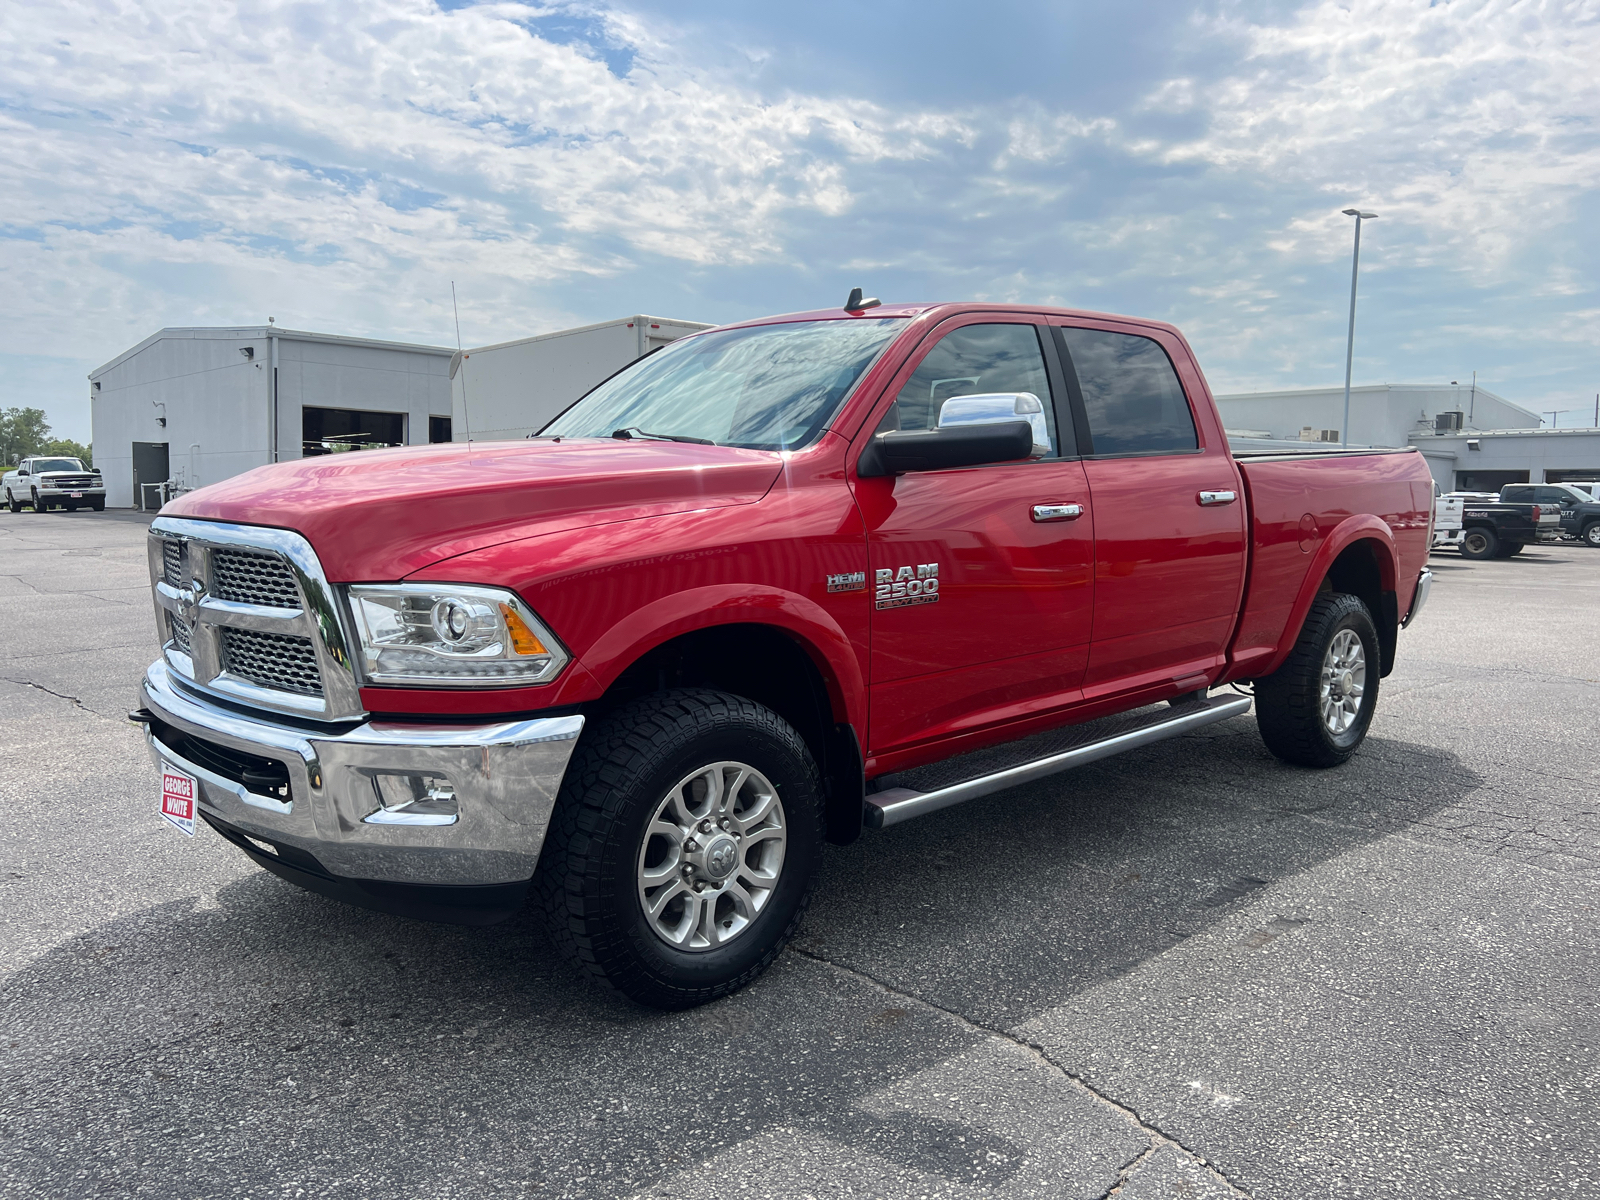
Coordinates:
x,y
643,629
1344,535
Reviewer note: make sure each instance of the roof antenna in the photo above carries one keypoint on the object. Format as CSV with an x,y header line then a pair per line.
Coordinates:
x,y
857,304
455,363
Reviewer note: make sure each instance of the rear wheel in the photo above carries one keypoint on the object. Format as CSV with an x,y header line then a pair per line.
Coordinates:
x,y
1479,542
1591,535
1510,549
11,502
1314,710
684,846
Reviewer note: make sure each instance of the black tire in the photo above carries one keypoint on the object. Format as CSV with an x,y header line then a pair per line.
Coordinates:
x,y
11,502
621,772
1591,535
39,505
1289,701
98,505
1479,542
1511,549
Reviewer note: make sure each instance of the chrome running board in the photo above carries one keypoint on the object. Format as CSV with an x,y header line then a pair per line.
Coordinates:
x,y
894,805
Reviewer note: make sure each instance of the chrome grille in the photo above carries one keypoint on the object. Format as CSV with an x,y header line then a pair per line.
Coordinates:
x,y
172,563
71,481
246,613
180,632
272,660
248,577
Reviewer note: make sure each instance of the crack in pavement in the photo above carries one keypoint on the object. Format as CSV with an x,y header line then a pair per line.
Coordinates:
x,y
1158,1137
1128,1169
25,584
59,696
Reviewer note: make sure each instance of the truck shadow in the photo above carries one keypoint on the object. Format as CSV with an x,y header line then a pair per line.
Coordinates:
x,y
314,1042
1008,905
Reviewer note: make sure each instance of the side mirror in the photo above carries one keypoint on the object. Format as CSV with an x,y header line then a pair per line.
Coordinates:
x,y
992,408
945,447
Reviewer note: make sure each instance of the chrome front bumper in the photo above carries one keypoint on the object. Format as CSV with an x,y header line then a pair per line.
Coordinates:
x,y
505,777
1419,597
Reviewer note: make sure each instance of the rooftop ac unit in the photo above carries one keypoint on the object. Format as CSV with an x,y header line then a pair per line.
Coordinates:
x,y
1308,434
1448,422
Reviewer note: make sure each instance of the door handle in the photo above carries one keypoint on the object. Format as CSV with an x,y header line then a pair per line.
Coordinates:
x,y
1057,512
1207,499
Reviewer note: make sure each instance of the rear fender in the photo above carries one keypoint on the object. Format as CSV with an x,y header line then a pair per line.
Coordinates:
x,y
1344,535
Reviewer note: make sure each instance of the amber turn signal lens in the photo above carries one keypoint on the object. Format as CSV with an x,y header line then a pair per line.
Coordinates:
x,y
522,638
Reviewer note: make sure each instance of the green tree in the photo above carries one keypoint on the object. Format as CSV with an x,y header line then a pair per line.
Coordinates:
x,y
22,432
67,448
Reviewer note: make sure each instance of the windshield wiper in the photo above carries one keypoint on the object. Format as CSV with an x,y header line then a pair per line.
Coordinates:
x,y
628,433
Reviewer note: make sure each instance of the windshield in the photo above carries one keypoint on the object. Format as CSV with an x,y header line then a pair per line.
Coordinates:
x,y
771,387
41,465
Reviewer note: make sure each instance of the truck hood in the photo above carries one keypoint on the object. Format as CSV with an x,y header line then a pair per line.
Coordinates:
x,y
379,515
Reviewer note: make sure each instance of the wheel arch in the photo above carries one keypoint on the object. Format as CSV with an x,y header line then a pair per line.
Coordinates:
x,y
1358,557
767,648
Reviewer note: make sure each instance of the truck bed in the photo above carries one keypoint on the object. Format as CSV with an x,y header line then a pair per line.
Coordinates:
x,y
1301,505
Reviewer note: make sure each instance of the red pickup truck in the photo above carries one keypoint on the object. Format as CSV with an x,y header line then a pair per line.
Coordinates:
x,y
766,587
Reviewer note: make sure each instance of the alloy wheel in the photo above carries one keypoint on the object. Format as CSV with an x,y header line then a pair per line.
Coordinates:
x,y
711,856
1344,681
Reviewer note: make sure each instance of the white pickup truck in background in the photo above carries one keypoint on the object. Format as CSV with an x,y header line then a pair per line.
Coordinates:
x,y
47,482
1447,527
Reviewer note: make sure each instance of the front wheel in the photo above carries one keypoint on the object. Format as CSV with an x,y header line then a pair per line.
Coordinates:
x,y
1591,535
1479,543
99,505
684,846
39,505
1315,709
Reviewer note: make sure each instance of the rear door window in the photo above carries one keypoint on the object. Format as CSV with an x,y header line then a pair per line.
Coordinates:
x,y
1131,394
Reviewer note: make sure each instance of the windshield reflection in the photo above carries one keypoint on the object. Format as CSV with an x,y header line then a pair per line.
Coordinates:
x,y
770,387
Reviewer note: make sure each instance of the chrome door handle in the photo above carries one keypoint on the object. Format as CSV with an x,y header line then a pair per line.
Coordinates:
x,y
1057,512
1209,498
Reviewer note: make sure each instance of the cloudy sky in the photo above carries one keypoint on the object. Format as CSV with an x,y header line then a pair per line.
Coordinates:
x,y
337,164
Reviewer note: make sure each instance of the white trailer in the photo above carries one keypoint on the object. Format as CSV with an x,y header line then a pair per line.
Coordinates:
x,y
510,389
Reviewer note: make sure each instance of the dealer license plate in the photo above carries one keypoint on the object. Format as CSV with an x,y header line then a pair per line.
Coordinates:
x,y
77,496
179,795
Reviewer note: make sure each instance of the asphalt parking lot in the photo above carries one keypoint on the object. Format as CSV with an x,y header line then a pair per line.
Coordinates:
x,y
1188,972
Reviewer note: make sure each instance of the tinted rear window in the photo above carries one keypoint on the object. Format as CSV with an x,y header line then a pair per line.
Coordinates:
x,y
1131,394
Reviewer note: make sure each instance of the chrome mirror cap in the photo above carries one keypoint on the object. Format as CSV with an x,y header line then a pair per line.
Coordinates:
x,y
990,408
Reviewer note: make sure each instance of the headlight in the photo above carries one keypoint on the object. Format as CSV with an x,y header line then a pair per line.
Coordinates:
x,y
452,635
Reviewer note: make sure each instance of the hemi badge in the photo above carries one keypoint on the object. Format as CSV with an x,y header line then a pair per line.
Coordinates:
x,y
850,581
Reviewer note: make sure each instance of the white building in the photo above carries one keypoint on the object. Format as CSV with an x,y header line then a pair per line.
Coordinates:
x,y
511,389
1486,460
198,405
1473,439
1386,415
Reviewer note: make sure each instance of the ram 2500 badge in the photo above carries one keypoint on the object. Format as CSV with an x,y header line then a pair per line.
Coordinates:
x,y
765,588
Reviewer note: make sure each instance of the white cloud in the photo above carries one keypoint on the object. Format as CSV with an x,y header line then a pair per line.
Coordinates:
x,y
1474,121
338,165
381,146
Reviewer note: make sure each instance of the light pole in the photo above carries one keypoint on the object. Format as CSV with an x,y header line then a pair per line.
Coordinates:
x,y
1350,338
